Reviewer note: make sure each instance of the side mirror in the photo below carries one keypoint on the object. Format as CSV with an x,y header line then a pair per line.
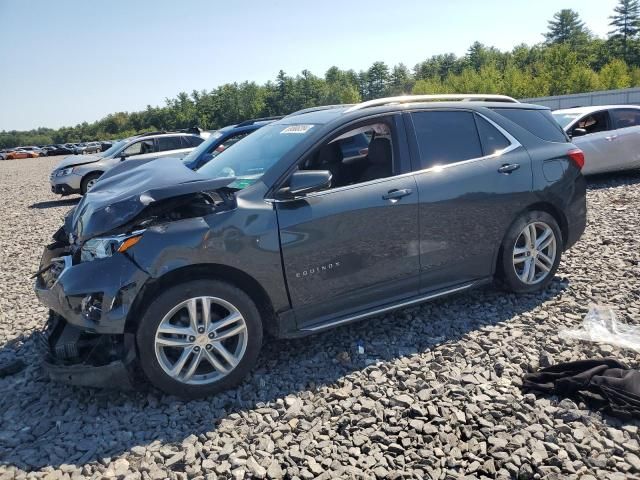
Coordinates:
x,y
307,181
578,132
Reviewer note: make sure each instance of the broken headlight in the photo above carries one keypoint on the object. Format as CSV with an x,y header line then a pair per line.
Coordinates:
x,y
103,247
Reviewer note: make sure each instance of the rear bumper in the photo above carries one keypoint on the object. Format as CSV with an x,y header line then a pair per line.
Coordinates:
x,y
576,213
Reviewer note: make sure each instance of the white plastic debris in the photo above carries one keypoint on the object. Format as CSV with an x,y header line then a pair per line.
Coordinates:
x,y
601,325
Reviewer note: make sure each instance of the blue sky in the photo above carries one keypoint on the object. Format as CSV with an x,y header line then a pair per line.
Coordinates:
x,y
67,61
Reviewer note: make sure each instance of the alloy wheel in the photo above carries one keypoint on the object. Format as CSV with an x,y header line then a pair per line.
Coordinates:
x,y
534,253
91,183
201,340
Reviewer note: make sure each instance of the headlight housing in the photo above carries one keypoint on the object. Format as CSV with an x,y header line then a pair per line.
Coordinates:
x,y
64,171
104,247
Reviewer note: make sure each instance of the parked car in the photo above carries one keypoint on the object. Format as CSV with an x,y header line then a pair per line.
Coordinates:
x,y
59,150
86,148
219,140
37,150
182,272
18,153
105,145
609,135
78,173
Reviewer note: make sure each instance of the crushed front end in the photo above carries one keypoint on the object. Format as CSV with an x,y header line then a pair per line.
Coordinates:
x,y
91,275
84,340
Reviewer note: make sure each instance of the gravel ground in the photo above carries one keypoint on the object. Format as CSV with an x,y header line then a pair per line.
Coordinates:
x,y
435,395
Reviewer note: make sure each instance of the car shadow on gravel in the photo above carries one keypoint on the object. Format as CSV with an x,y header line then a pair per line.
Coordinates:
x,y
49,424
613,179
65,202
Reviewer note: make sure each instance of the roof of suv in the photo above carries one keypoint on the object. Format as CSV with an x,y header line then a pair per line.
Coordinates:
x,y
326,114
593,108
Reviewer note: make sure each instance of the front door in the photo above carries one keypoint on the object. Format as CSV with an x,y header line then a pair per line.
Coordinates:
x,y
600,146
353,246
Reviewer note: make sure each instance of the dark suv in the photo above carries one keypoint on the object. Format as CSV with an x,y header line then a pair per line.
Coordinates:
x,y
181,272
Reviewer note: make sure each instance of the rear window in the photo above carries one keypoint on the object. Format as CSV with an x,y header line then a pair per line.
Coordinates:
x,y
445,137
169,143
625,117
538,122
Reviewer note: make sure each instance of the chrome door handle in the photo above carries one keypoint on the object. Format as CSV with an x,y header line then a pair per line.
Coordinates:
x,y
509,167
396,194
611,138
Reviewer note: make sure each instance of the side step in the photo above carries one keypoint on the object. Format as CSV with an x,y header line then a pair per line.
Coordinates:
x,y
394,306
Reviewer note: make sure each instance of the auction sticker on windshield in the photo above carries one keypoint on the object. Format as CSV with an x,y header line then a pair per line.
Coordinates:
x,y
297,129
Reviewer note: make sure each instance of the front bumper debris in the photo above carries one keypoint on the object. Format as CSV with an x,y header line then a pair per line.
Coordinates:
x,y
75,357
95,296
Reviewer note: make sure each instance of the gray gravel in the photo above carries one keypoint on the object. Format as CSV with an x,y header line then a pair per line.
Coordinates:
x,y
435,395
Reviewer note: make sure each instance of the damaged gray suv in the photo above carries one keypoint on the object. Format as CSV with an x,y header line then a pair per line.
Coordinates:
x,y
176,275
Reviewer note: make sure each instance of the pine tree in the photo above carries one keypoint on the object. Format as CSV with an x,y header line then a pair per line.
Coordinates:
x,y
566,27
626,23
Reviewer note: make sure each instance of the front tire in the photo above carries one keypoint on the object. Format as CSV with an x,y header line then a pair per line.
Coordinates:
x,y
530,253
88,182
199,338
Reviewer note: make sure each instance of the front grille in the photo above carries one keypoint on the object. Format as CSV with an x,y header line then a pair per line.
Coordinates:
x,y
51,175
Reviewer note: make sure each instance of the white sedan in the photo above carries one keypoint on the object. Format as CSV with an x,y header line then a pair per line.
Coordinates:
x,y
609,135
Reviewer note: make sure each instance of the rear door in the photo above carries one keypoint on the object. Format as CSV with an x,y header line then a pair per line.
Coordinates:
x,y
473,178
626,122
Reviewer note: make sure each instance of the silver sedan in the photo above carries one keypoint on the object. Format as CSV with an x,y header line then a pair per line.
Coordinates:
x,y
609,135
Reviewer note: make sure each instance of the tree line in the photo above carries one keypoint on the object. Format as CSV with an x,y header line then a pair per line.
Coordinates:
x,y
570,60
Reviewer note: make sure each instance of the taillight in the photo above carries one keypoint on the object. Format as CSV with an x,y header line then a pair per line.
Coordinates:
x,y
577,156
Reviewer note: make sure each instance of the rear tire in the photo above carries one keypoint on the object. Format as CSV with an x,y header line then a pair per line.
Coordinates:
x,y
184,353
530,253
88,182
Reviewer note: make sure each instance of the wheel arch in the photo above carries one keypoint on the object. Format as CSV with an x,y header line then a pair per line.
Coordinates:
x,y
555,212
546,207
234,276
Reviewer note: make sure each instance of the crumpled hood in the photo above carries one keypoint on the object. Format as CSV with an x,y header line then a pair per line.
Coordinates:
x,y
119,198
73,160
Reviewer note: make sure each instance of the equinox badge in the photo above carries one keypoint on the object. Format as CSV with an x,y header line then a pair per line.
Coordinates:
x,y
320,268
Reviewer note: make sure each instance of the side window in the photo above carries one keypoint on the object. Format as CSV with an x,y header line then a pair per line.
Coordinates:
x,y
138,148
625,117
191,141
358,155
538,122
445,137
492,140
594,123
169,143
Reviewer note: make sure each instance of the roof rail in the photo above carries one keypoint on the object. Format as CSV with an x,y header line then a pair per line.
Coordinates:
x,y
313,109
162,132
256,120
147,134
461,97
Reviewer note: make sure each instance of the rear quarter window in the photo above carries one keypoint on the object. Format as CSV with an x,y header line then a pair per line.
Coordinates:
x,y
191,142
538,122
